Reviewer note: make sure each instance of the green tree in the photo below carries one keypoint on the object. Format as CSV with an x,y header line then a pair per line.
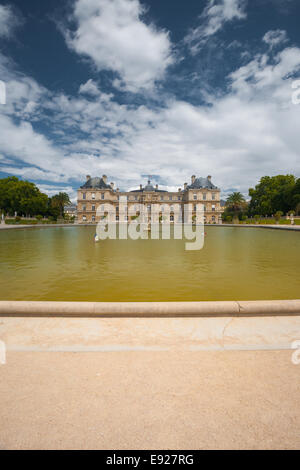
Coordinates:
x,y
295,197
273,194
59,201
235,206
278,216
21,197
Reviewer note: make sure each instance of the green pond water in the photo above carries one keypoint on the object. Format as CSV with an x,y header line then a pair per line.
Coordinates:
x,y
66,264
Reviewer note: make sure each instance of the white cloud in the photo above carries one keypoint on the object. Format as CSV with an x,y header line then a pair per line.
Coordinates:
x,y
51,190
275,37
89,88
9,20
113,34
213,18
249,132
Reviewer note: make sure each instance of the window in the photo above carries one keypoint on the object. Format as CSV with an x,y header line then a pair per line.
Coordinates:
x,y
171,198
179,198
83,196
213,196
195,197
93,196
172,209
213,218
172,218
93,208
102,195
93,218
84,218
84,208
117,208
161,198
213,208
204,196
195,207
204,208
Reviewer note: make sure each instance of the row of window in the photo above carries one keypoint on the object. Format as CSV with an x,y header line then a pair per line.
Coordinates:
x,y
84,218
162,198
93,196
204,196
136,208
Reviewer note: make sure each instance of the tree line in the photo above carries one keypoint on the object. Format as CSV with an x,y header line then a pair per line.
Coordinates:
x,y
22,198
273,196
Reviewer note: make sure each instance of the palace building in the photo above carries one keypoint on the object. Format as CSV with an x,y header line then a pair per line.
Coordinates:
x,y
96,194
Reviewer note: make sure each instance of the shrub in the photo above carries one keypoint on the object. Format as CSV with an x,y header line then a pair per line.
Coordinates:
x,y
278,216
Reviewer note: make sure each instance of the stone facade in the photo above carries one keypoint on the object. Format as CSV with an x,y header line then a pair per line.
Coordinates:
x,y
98,196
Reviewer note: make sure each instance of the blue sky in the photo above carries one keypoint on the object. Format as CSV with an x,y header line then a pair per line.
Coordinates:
x,y
167,88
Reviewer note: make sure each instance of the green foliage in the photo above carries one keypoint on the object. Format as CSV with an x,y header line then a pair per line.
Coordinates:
x,y
236,208
58,202
25,199
276,193
21,197
278,215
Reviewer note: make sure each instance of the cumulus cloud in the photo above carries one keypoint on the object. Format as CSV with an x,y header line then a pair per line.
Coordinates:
x,y
249,131
275,37
89,88
9,20
114,36
213,18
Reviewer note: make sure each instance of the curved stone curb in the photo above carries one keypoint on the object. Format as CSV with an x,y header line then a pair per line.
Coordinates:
x,y
150,309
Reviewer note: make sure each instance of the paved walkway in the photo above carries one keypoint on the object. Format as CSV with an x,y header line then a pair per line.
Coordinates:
x,y
150,400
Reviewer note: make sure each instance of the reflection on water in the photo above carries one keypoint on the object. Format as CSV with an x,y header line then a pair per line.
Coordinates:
x,y
66,264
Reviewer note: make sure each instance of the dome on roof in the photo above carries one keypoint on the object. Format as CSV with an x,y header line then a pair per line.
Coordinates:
x,y
149,187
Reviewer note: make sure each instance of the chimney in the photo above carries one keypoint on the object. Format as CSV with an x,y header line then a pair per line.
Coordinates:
x,y
179,190
104,177
209,178
185,186
141,186
88,177
112,185
193,179
118,190
156,186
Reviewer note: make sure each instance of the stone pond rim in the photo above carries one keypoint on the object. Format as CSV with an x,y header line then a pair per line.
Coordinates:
x,y
150,309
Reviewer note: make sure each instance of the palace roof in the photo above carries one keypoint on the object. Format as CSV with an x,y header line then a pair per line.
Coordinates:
x,y
200,183
149,188
95,183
